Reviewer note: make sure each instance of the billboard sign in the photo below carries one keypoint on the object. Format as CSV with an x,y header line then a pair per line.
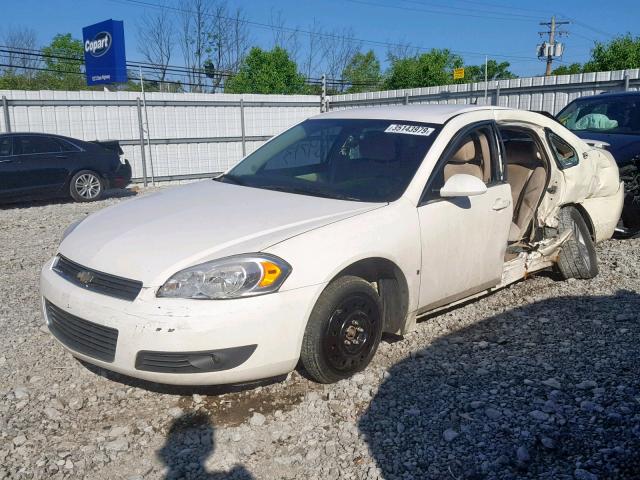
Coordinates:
x,y
104,54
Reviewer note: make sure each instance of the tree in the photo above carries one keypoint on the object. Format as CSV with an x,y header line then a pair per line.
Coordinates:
x,y
227,44
193,40
63,58
284,37
267,72
429,69
339,47
22,65
213,41
619,54
362,72
495,71
156,40
567,69
312,55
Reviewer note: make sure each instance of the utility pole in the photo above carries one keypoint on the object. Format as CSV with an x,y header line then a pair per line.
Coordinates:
x,y
551,49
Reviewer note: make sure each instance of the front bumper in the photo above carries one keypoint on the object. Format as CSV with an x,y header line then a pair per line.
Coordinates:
x,y
273,323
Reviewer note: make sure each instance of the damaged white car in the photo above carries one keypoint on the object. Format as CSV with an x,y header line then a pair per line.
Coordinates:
x,y
348,225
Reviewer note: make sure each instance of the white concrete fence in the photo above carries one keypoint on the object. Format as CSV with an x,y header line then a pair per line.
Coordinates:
x,y
194,135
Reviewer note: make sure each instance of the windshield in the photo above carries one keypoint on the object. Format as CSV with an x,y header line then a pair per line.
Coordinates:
x,y
363,160
606,115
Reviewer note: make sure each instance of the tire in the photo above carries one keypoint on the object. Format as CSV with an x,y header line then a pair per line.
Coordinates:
x,y
86,186
577,258
344,330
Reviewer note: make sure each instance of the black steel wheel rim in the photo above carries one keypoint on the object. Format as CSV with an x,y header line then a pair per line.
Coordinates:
x,y
352,333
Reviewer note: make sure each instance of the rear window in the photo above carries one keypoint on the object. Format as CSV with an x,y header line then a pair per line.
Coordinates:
x,y
67,146
564,154
610,115
26,145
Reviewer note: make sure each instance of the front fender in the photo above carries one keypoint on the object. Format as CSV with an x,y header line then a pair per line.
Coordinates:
x,y
391,232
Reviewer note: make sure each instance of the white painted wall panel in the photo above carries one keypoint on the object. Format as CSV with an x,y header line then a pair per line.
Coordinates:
x,y
529,93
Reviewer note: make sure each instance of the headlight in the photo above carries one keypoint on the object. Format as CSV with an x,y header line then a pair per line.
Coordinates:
x,y
71,228
231,277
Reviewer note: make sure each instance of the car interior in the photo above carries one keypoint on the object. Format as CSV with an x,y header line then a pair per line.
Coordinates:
x,y
526,172
527,176
361,161
472,158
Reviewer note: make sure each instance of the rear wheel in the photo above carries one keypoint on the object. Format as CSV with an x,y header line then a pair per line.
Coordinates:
x,y
577,258
86,186
344,330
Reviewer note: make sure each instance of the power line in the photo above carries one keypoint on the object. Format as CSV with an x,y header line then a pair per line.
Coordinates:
x,y
481,14
153,68
590,27
505,6
149,4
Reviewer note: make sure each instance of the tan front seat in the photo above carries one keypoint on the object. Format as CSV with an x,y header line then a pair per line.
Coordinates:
x,y
463,161
527,177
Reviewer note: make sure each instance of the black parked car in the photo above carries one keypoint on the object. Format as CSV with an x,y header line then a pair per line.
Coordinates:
x,y
43,165
614,120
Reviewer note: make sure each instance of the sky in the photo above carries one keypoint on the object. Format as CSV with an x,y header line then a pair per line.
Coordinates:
x,y
506,31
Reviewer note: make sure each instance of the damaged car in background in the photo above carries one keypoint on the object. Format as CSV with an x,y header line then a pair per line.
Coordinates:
x,y
611,121
348,225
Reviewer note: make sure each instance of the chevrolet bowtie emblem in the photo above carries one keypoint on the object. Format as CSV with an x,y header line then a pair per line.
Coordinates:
x,y
85,277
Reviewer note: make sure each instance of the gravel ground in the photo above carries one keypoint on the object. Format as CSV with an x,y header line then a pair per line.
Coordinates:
x,y
539,380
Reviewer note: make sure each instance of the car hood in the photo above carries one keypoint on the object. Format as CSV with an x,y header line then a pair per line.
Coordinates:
x,y
152,237
623,147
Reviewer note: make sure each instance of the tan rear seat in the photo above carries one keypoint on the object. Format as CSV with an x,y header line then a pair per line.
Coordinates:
x,y
527,177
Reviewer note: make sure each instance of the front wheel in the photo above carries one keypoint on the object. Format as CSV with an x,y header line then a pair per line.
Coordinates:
x,y
86,186
577,258
344,330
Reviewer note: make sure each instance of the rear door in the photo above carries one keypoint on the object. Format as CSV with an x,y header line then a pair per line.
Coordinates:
x,y
43,164
9,167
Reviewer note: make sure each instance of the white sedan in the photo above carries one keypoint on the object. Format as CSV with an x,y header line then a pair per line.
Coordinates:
x,y
348,225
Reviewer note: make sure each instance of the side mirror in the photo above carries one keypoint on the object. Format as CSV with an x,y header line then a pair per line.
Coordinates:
x,y
463,185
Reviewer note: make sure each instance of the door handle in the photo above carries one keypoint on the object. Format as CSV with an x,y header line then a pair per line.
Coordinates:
x,y
501,204
61,156
6,161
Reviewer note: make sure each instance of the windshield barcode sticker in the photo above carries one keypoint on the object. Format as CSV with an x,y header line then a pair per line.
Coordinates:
x,y
409,129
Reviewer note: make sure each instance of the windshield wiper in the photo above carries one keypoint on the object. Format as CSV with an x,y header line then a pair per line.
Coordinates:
x,y
306,191
229,179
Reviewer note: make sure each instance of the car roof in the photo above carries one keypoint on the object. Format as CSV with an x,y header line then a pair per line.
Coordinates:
x,y
427,113
33,133
42,134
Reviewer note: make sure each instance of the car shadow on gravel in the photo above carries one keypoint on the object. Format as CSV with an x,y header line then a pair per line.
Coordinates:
x,y
190,441
112,193
548,390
